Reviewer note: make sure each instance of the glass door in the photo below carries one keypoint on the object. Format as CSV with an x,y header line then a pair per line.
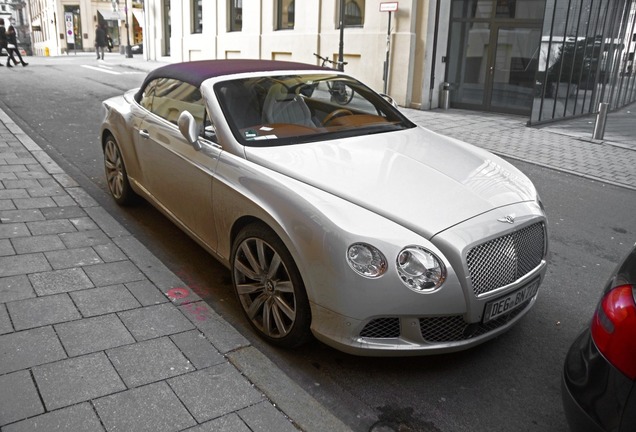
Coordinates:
x,y
468,68
512,66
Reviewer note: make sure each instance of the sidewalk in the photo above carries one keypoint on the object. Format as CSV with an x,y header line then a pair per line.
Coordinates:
x,y
97,334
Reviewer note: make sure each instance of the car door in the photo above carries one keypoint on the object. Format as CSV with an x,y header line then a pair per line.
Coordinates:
x,y
178,177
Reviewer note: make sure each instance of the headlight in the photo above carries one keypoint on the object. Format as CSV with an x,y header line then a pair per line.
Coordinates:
x,y
420,269
366,260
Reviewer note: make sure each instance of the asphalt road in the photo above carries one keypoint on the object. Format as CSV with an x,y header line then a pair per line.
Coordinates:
x,y
509,384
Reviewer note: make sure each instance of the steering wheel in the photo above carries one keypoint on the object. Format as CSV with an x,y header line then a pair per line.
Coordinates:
x,y
335,114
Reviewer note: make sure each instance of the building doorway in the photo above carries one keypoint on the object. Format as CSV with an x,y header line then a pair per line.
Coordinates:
x,y
73,28
493,54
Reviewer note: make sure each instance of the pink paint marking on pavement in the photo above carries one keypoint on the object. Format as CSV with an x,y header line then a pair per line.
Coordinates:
x,y
177,293
200,312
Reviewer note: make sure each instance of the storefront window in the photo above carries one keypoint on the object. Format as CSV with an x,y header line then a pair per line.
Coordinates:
x,y
236,15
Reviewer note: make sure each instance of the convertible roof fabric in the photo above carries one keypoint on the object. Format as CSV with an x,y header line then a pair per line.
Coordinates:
x,y
198,71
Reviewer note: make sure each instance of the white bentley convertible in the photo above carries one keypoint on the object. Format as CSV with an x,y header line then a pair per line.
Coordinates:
x,y
336,215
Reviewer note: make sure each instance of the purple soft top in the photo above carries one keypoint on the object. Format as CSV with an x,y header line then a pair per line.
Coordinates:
x,y
198,71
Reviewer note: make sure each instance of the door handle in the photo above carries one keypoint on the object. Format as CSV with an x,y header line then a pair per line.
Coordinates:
x,y
144,134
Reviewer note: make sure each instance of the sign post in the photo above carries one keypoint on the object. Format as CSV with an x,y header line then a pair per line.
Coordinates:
x,y
70,31
389,7
341,43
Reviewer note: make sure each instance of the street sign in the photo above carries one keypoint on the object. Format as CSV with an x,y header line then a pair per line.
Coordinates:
x,y
70,35
388,7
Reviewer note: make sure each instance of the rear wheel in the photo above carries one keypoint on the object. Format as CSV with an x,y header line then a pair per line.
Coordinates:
x,y
269,287
116,175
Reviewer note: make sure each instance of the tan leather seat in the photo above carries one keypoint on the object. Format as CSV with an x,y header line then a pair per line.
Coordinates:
x,y
283,107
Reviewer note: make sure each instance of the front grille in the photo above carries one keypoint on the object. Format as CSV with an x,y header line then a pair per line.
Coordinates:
x,y
503,260
451,328
454,328
382,328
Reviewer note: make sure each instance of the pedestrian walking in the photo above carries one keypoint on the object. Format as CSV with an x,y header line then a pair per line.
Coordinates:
x,y
3,43
100,41
12,46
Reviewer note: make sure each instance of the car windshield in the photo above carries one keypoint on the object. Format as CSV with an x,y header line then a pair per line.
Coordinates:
x,y
290,109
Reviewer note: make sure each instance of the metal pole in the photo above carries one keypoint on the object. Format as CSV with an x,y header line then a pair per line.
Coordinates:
x,y
128,47
601,117
341,45
386,62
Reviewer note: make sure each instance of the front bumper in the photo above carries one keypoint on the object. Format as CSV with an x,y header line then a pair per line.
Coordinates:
x,y
389,320
408,336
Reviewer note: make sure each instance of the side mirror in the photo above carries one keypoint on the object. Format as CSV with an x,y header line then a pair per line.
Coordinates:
x,y
389,99
189,129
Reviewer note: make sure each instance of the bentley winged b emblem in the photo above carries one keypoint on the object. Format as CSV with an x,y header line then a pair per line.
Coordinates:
x,y
507,219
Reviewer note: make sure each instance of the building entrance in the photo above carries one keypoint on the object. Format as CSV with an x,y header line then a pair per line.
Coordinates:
x,y
494,50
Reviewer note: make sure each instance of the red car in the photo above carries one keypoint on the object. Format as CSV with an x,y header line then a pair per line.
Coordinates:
x,y
599,377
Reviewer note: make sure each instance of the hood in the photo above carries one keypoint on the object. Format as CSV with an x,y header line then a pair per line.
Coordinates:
x,y
415,177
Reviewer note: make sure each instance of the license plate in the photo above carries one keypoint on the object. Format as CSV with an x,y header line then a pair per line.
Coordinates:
x,y
510,302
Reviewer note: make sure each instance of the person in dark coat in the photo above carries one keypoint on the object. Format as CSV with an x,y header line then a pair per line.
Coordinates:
x,y
3,43
100,41
12,46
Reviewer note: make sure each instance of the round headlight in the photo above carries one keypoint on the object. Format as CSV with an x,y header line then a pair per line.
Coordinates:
x,y
420,269
366,260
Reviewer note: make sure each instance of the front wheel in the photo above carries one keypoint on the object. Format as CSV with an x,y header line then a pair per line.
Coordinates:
x,y
269,287
116,175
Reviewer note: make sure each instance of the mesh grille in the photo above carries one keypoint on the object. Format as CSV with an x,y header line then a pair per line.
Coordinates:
x,y
382,328
505,259
439,329
454,328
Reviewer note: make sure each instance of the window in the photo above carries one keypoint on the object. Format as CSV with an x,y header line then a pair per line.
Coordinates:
x,y
292,109
353,13
197,16
285,15
236,15
168,98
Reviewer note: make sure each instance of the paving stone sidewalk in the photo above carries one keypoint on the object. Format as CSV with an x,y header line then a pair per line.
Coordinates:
x,y
96,334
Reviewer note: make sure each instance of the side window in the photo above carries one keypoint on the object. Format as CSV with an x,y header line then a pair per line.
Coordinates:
x,y
146,97
172,97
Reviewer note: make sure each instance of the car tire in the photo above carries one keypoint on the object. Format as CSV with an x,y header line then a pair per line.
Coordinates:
x,y
116,174
269,287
